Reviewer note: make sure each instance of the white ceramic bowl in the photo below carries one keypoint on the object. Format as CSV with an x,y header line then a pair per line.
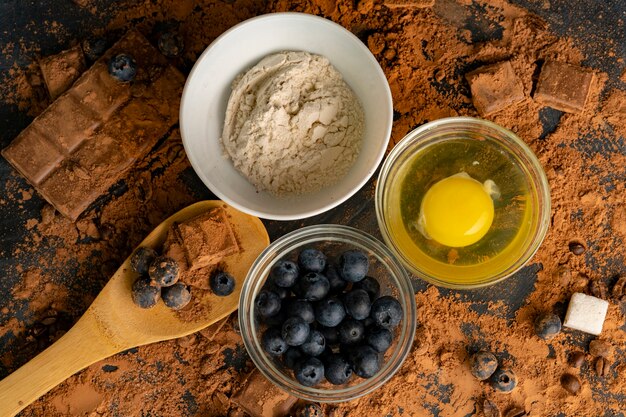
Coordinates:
x,y
208,88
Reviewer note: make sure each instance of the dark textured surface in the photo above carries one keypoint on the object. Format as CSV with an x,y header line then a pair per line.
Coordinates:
x,y
597,25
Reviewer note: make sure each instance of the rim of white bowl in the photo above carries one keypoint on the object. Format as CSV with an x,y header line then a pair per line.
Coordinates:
x,y
309,213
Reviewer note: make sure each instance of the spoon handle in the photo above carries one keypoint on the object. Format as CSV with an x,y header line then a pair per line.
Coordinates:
x,y
84,344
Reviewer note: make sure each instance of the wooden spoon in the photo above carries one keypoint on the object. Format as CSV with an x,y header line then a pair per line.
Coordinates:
x,y
113,323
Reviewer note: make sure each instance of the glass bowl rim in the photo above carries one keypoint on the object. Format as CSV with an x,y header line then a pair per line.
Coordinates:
x,y
299,238
511,142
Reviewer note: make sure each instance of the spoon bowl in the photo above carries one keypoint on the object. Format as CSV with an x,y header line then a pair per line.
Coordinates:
x,y
113,323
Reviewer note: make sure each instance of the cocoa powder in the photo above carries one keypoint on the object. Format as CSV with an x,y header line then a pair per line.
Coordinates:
x,y
425,50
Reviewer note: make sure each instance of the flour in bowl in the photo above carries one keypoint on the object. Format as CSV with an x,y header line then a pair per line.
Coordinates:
x,y
292,125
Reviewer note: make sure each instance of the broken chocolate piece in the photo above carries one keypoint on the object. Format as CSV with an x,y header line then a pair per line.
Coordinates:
x,y
495,87
260,398
61,70
85,141
563,86
207,239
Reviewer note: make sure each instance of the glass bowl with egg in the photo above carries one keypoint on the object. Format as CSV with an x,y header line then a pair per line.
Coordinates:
x,y
463,202
332,240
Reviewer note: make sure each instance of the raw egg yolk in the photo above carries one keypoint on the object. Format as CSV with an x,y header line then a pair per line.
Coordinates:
x,y
456,211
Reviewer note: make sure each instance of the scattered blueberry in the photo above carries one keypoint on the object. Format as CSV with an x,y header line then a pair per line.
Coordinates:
x,y
365,361
284,274
170,44
353,265
267,303
331,335
222,283
295,331
312,287
386,312
122,67
370,285
483,364
337,284
142,258
93,48
145,293
177,296
273,342
310,372
351,332
547,326
312,260
302,309
292,357
315,343
164,271
336,369
504,380
358,304
329,312
309,410
378,338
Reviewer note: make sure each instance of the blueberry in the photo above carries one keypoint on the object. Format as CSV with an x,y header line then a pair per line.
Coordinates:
x,y
282,292
284,273
358,304
122,67
141,259
277,319
312,260
267,303
336,369
370,285
170,44
177,296
368,321
309,410
351,332
315,343
302,309
310,372
337,284
547,326
295,331
145,293
329,312
353,265
222,283
312,287
386,312
164,271
483,364
378,338
504,380
93,48
365,361
331,335
273,342
292,357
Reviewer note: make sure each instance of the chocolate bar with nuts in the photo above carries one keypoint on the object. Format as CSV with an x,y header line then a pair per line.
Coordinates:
x,y
88,138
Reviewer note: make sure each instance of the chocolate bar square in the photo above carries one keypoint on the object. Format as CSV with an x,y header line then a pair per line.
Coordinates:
x,y
61,70
207,239
72,153
563,86
494,87
260,398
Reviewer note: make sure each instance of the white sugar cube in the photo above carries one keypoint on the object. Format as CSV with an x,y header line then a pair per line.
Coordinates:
x,y
586,313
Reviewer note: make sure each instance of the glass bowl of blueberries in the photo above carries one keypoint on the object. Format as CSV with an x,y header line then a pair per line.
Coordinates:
x,y
327,313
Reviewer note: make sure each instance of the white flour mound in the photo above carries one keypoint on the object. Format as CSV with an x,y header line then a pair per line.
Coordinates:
x,y
292,125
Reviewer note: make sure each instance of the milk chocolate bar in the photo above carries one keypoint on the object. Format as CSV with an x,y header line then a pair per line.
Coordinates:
x,y
563,86
88,138
207,239
495,87
260,398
